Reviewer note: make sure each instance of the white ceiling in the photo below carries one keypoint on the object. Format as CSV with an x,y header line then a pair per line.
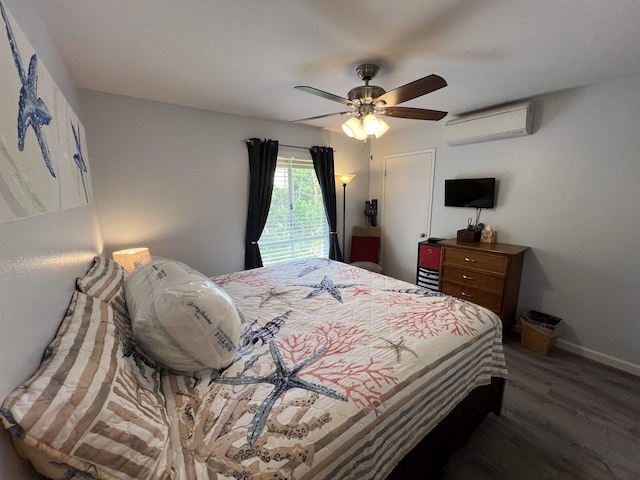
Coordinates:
x,y
246,56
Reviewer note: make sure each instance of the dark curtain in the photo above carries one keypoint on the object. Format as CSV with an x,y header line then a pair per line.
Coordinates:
x,y
263,156
323,165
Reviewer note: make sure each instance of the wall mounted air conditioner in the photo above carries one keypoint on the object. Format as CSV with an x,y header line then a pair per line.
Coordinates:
x,y
505,122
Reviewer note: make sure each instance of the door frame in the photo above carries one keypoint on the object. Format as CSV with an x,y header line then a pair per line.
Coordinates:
x,y
383,212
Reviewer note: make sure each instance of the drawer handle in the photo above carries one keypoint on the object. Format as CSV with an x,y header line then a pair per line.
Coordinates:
x,y
467,259
464,294
467,277
429,250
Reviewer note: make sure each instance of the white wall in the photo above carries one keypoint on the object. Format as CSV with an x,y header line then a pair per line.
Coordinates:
x,y
175,179
39,257
570,192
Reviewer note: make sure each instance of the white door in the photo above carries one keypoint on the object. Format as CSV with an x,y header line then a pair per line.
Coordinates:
x,y
406,211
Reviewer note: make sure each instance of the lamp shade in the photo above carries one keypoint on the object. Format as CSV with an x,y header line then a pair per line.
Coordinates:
x,y
346,128
130,257
371,124
345,178
361,127
353,128
382,129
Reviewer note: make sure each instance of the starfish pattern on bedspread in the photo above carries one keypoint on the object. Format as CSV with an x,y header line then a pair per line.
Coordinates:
x,y
269,295
327,285
398,347
282,379
252,361
32,112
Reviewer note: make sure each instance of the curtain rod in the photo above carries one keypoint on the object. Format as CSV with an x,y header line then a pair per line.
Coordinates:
x,y
248,140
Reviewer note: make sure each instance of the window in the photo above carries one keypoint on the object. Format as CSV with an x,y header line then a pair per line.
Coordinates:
x,y
297,225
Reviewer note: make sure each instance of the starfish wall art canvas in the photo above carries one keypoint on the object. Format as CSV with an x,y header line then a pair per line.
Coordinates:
x,y
43,152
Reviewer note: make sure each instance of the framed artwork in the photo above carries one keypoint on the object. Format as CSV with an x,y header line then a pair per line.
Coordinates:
x,y
43,152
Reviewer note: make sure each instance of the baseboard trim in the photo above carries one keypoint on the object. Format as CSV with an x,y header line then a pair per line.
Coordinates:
x,y
594,355
599,357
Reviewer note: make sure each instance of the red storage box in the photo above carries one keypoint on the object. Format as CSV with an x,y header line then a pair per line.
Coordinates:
x,y
429,256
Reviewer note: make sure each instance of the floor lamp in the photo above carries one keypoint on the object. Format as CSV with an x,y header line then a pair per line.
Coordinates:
x,y
345,179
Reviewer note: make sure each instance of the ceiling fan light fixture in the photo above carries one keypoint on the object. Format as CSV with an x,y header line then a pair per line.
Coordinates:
x,y
346,128
354,129
371,124
367,100
384,126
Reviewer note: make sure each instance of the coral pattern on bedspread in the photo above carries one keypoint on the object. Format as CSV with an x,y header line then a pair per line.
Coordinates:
x,y
340,373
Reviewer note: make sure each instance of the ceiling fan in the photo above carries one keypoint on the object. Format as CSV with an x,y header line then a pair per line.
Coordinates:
x,y
367,101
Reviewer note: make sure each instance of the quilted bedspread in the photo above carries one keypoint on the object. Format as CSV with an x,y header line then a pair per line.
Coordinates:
x,y
341,372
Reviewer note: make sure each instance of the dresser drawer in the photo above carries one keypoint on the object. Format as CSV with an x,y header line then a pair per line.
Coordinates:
x,y
481,261
484,299
472,278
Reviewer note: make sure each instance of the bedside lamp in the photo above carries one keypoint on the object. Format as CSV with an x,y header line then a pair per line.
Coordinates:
x,y
132,256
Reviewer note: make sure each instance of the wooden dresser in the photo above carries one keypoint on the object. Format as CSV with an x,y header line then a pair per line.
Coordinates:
x,y
487,274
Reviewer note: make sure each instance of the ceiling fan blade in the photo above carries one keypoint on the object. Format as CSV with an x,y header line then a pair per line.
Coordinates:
x,y
414,113
412,90
327,95
322,116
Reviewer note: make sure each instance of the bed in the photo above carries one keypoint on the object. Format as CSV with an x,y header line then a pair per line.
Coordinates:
x,y
340,373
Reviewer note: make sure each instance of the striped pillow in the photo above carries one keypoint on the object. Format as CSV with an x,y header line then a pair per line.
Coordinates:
x,y
83,413
104,281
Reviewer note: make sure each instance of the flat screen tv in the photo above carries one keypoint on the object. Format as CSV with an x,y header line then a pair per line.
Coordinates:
x,y
470,192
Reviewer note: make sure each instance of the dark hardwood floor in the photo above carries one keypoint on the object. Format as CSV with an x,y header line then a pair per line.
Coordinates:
x,y
563,417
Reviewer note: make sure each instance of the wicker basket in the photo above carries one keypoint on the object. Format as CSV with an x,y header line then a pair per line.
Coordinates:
x,y
468,235
537,339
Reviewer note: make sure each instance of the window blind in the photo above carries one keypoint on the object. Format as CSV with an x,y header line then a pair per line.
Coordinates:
x,y
296,227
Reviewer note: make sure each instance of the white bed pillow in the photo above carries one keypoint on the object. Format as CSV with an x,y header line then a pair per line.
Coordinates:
x,y
182,318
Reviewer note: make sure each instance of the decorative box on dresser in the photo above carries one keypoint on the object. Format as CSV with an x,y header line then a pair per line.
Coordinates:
x,y
487,274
